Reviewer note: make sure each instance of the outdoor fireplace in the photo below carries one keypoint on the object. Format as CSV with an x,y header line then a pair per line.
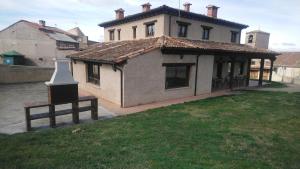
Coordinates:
x,y
62,88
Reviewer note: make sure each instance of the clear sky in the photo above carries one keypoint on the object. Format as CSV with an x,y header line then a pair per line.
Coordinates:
x,y
279,17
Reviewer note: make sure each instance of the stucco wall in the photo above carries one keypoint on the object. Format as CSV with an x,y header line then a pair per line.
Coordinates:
x,y
37,47
22,74
260,39
110,85
217,33
127,32
144,78
286,74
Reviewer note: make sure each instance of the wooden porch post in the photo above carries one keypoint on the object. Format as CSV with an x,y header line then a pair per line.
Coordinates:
x,y
52,115
261,72
75,112
231,73
271,70
248,71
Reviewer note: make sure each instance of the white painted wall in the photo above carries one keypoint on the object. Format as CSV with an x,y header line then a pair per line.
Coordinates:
x,y
286,74
110,84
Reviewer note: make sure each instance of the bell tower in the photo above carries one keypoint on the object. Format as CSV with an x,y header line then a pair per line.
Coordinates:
x,y
258,39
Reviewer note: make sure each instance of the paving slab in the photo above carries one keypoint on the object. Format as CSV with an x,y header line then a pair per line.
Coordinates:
x,y
13,97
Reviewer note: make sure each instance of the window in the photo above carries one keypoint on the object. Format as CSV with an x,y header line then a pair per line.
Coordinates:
x,y
182,28
66,45
219,70
93,73
250,39
234,36
150,29
229,67
206,31
134,32
119,34
111,35
177,76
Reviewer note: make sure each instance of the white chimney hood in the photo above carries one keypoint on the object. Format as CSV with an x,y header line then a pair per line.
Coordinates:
x,y
62,74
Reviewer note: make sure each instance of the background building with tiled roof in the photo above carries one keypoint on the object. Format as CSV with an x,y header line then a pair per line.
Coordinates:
x,y
287,67
41,43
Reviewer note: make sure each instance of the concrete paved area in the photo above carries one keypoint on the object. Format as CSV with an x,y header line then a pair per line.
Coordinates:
x,y
13,97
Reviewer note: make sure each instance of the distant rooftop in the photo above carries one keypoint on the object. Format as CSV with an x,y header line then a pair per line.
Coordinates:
x,y
52,32
76,31
288,59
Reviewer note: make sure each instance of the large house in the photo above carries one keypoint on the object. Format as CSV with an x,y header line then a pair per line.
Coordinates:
x,y
40,43
165,53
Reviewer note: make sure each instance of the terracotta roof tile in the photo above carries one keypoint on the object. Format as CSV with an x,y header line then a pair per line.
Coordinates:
x,y
117,52
289,59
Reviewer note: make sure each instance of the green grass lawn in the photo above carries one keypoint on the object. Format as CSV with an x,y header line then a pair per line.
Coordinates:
x,y
276,85
249,130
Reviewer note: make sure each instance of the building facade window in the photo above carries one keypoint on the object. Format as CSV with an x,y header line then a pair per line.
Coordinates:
x,y
119,34
67,45
134,32
229,67
177,76
150,29
111,35
93,73
182,28
250,39
234,36
206,32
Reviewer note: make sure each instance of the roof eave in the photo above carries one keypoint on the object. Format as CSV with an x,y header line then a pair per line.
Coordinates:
x,y
197,51
170,11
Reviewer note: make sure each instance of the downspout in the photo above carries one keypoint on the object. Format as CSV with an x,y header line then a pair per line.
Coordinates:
x,y
71,66
196,75
121,82
170,25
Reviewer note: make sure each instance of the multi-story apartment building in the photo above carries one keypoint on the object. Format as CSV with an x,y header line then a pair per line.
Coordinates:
x,y
166,53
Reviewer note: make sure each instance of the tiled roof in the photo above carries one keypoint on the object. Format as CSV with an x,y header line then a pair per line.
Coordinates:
x,y
174,12
289,59
116,52
61,37
52,32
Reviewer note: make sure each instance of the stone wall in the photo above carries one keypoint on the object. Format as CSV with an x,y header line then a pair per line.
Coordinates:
x,y
24,74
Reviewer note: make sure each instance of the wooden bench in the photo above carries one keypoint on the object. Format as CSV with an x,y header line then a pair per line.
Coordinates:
x,y
52,113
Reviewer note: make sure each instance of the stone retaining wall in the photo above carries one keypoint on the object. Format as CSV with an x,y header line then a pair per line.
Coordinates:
x,y
24,74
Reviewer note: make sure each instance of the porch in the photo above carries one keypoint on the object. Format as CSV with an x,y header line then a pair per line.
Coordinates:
x,y
232,72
